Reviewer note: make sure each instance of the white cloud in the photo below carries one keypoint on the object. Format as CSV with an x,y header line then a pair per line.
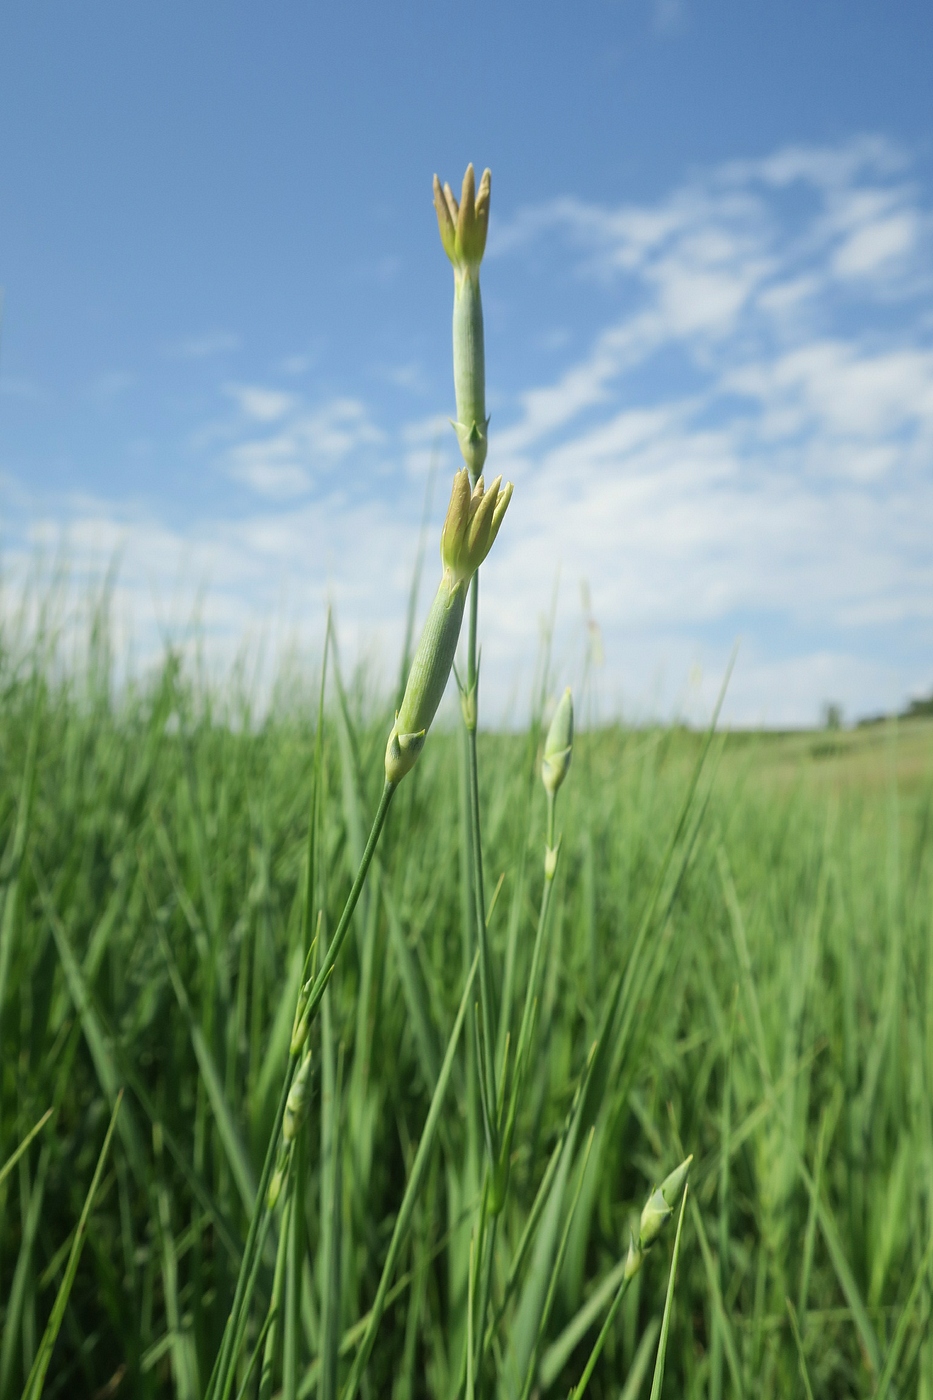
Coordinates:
x,y
745,445
260,404
283,448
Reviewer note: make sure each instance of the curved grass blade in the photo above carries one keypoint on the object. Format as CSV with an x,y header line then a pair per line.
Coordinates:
x,y
36,1379
14,1157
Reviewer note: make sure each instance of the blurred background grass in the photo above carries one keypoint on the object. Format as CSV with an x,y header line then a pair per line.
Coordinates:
x,y
782,1032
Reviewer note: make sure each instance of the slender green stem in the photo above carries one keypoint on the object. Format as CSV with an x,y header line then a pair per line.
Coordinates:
x,y
221,1377
222,1365
485,1295
267,1376
336,943
485,971
600,1342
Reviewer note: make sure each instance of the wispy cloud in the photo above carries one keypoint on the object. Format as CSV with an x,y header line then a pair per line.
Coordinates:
x,y
206,346
282,448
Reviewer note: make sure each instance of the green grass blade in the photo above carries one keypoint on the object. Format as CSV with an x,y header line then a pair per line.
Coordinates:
x,y
17,1299
801,1356
11,1161
36,1379
719,1310
903,1322
559,1352
226,1127
642,1360
418,1170
658,1379
556,1267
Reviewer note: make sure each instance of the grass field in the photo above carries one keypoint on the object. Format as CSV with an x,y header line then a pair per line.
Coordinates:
x,y
774,1019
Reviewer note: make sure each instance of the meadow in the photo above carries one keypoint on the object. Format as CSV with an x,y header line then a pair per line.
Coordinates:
x,y
740,925
462,1063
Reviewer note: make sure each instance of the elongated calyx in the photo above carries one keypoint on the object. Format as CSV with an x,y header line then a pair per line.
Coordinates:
x,y
657,1212
558,747
471,526
463,230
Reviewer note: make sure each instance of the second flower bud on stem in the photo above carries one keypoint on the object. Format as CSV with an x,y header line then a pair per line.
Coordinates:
x,y
471,526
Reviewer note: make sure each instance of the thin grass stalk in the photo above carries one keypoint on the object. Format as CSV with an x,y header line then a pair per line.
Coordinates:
x,y
36,1378
14,1157
271,1324
330,1198
801,1355
255,1238
222,1377
254,1358
555,1271
469,1394
471,717
403,1219
658,1378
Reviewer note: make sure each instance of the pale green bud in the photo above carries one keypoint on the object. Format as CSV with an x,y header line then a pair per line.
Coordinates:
x,y
660,1205
297,1101
275,1187
472,523
463,230
634,1259
300,1023
471,526
657,1212
463,226
558,747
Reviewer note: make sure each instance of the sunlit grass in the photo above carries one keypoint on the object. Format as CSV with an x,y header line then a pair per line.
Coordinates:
x,y
779,1027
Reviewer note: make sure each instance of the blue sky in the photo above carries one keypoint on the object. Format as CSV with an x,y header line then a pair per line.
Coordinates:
x,y
709,314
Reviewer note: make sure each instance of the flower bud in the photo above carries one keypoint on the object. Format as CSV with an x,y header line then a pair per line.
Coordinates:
x,y
463,226
275,1187
297,1101
471,526
660,1205
634,1259
558,747
300,1023
463,230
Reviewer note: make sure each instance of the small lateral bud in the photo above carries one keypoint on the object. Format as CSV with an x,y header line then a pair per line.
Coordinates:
x,y
660,1205
275,1186
558,747
300,1023
297,1101
550,862
634,1259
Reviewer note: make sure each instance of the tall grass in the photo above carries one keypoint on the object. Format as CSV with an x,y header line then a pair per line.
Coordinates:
x,y
756,971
